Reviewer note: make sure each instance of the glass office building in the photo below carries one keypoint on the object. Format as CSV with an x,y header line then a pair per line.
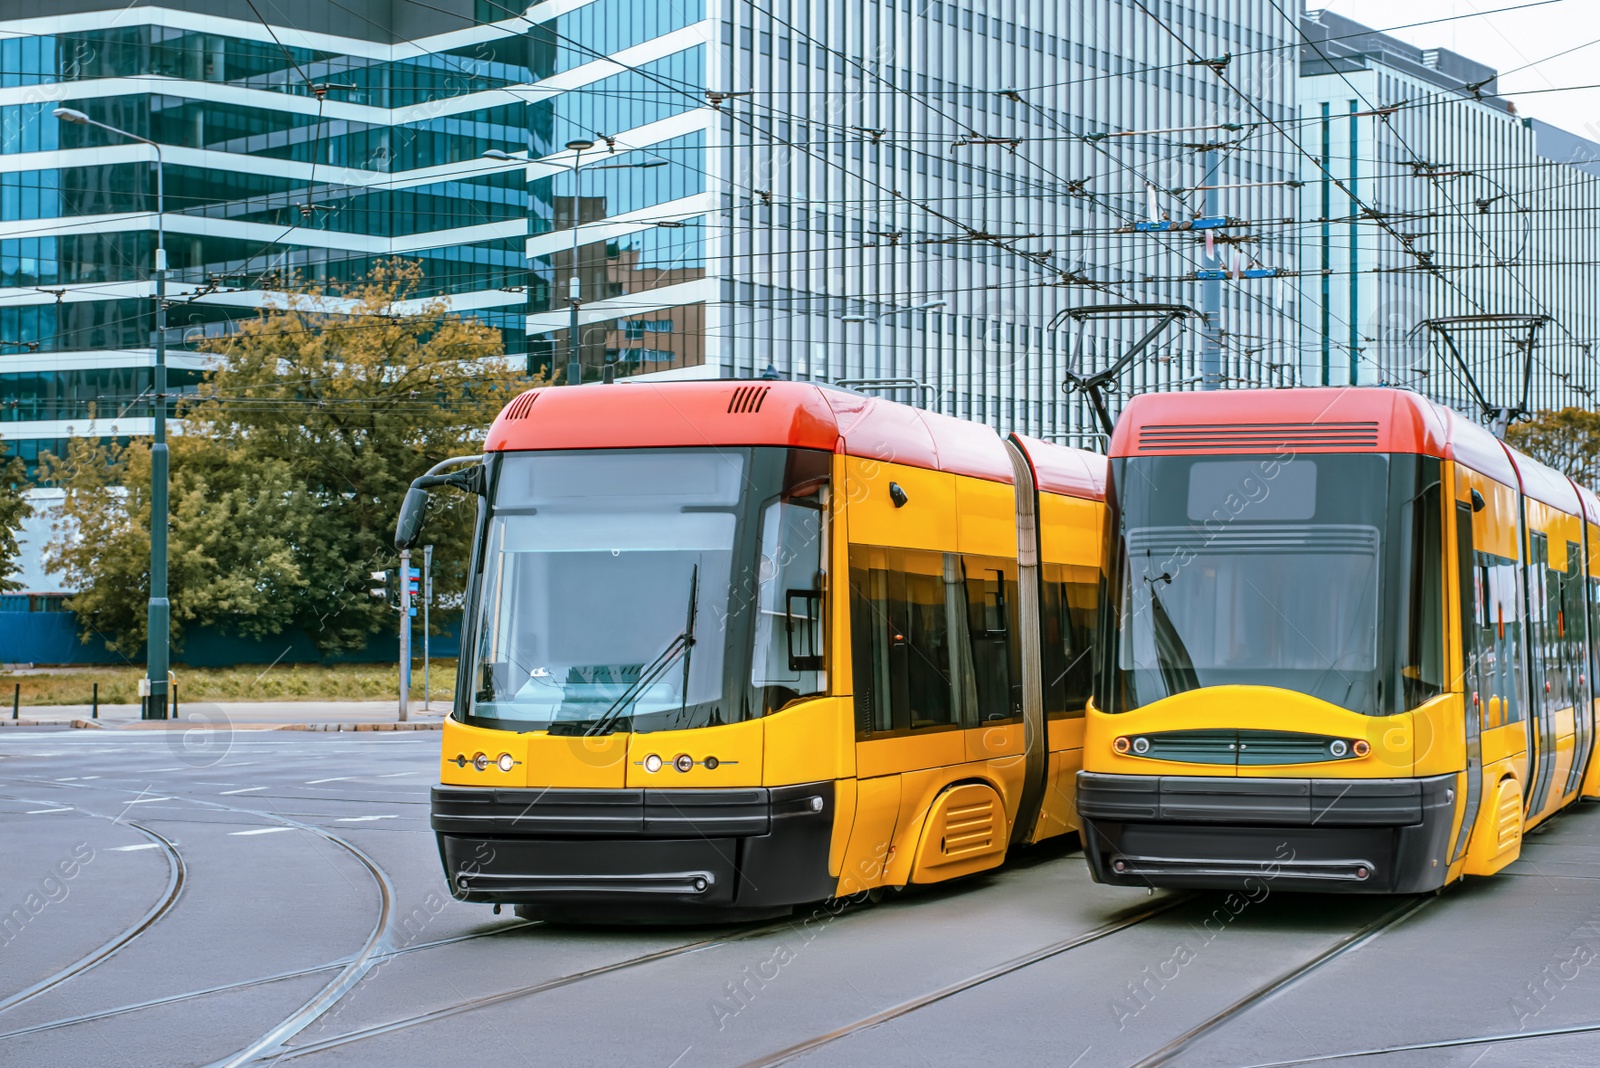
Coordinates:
x,y
1430,200
906,191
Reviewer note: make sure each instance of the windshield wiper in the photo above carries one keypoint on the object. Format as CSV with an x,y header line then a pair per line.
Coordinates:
x,y
1172,656
652,672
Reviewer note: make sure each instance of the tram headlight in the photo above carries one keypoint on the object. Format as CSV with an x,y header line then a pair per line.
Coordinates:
x,y
480,761
505,762
683,762
1141,746
1338,747
1120,745
1361,748
652,763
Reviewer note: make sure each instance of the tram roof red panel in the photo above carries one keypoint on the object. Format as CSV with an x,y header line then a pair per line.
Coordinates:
x,y
1591,503
1059,469
1316,420
1546,484
746,412
1473,446
1270,420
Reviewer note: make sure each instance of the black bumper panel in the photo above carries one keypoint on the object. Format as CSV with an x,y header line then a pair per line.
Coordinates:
x,y
1361,835
637,851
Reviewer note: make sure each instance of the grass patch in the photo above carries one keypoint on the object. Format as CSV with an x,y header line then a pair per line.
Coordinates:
x,y
285,682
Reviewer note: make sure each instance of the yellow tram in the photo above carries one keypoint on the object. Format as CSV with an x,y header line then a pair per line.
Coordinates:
x,y
736,646
1349,644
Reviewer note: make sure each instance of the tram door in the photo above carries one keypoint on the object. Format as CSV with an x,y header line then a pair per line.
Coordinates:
x,y
1474,619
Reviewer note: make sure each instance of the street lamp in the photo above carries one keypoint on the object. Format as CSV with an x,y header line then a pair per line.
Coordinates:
x,y
877,334
578,146
158,614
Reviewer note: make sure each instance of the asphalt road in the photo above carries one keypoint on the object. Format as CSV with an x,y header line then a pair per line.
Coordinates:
x,y
169,898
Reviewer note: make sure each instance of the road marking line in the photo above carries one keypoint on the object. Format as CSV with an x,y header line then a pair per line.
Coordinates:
x,y
70,778
238,763
340,778
41,811
134,848
363,819
246,790
147,800
393,774
262,830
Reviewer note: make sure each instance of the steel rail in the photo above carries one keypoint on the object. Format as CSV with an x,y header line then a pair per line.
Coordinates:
x,y
1348,944
176,875
1014,965
245,984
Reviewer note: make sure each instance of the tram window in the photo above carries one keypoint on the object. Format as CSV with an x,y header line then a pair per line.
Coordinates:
x,y
1069,611
1471,594
1422,672
989,613
900,640
789,617
1500,640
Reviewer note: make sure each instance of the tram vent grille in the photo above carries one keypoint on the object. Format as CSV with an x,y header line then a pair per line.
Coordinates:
x,y
747,400
1257,437
519,408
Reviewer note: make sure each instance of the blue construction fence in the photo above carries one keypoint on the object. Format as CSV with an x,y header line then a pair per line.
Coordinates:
x,y
52,638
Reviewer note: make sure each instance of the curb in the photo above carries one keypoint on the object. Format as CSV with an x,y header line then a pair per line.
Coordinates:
x,y
26,723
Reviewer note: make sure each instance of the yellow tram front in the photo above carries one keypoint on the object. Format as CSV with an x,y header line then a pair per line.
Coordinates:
x,y
1306,672
735,647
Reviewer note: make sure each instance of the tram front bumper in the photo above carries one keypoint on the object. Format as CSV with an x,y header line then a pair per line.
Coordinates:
x,y
1351,835
637,852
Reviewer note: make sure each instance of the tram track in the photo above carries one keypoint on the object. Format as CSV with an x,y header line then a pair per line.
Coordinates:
x,y
1441,1043
1349,944
247,984
487,1000
270,1043
177,873
1016,964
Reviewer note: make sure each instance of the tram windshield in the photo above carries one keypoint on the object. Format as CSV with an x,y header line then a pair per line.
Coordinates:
x,y
1319,574
648,589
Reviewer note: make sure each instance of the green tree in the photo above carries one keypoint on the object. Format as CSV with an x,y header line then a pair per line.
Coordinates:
x,y
14,508
291,464
233,529
1567,440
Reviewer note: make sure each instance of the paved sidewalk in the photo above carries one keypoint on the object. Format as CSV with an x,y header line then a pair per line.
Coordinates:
x,y
239,715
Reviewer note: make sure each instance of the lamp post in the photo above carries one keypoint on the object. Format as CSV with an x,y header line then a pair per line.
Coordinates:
x,y
877,333
578,146
158,614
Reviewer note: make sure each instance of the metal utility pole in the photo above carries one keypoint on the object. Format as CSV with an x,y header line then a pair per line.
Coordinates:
x,y
405,632
427,599
1211,294
158,613
577,146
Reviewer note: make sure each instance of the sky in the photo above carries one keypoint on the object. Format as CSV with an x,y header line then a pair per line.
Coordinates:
x,y
1508,40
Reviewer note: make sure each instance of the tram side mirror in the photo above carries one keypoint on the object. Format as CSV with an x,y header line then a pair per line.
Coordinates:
x,y
1478,503
413,510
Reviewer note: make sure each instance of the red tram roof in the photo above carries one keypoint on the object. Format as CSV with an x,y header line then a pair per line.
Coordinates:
x,y
747,412
1591,503
1315,420
1058,469
1545,483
